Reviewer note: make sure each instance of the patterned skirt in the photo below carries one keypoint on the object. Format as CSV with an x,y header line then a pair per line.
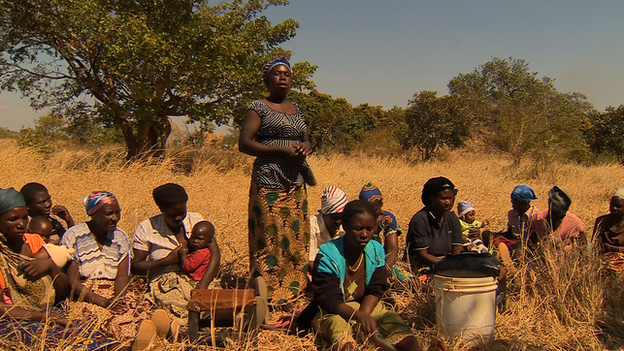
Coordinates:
x,y
279,238
122,326
42,336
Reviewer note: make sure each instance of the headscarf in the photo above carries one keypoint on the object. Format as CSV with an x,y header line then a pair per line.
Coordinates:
x,y
523,193
370,193
279,60
464,207
619,193
559,201
169,194
10,199
434,186
333,200
96,200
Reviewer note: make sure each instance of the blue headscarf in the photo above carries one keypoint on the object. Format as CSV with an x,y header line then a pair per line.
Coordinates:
x,y
10,199
96,199
370,193
523,193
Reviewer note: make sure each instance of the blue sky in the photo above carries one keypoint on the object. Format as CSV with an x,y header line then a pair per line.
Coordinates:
x,y
382,52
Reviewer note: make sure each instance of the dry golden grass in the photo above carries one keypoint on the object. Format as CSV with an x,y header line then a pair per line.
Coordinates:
x,y
560,306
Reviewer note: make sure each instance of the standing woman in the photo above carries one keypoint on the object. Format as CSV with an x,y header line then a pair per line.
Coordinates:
x,y
275,132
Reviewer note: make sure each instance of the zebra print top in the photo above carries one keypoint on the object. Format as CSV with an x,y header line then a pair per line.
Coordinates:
x,y
282,130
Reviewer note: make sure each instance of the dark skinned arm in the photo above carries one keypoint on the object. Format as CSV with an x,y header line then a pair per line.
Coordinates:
x,y
142,267
457,249
213,265
122,279
43,265
425,256
79,289
391,247
248,145
25,315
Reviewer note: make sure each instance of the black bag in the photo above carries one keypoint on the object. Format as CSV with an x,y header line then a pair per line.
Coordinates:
x,y
468,264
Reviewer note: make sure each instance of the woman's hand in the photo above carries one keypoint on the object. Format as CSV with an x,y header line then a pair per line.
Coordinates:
x,y
292,154
119,306
35,269
62,212
474,233
365,322
174,256
303,149
101,301
56,318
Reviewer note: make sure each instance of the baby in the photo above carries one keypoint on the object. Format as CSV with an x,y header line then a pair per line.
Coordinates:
x,y
195,260
471,227
43,226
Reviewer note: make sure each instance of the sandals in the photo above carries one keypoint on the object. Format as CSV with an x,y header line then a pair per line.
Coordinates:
x,y
165,327
146,336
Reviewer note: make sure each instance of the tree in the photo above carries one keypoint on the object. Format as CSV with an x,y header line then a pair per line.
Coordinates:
x,y
141,61
605,133
526,114
433,122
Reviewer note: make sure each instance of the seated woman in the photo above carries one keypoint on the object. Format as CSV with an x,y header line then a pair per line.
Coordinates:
x,y
29,289
556,222
327,225
39,203
387,231
161,238
349,277
99,271
434,231
608,236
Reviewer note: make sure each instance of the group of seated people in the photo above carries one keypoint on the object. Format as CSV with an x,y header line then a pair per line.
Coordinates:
x,y
71,276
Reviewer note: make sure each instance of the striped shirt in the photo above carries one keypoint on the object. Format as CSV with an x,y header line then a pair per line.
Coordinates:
x,y
93,261
281,130
154,236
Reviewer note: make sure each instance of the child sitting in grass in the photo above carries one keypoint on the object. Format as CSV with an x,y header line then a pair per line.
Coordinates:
x,y
196,257
349,278
471,227
39,203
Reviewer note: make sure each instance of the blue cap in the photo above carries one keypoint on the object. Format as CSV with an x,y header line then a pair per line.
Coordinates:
x,y
523,193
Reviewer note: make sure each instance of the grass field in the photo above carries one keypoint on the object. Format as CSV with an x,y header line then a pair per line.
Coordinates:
x,y
566,305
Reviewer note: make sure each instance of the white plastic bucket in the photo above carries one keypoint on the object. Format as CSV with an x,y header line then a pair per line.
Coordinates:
x,y
466,307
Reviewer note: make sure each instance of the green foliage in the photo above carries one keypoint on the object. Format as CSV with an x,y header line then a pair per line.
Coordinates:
x,y
526,114
334,125
433,122
141,61
605,132
6,133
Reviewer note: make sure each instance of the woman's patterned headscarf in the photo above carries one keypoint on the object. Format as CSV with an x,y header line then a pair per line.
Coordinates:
x,y
333,200
279,60
96,199
370,193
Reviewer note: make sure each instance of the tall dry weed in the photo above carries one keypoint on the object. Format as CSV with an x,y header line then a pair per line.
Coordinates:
x,y
565,303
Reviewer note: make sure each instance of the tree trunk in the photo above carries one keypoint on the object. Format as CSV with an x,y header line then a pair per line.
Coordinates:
x,y
149,140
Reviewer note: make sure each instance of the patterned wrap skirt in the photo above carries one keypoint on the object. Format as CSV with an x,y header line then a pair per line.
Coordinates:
x,y
44,336
122,326
279,238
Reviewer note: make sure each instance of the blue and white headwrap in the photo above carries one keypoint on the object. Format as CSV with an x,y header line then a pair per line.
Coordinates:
x,y
96,199
279,60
